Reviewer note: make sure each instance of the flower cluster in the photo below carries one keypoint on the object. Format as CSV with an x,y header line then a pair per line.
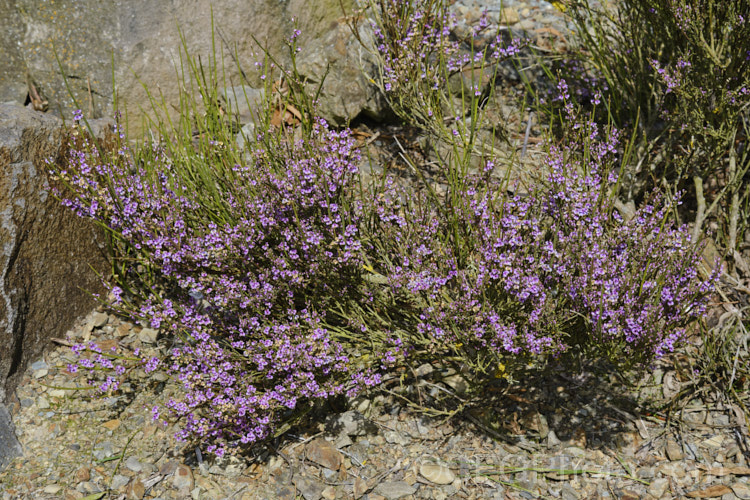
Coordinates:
x,y
244,292
418,52
542,272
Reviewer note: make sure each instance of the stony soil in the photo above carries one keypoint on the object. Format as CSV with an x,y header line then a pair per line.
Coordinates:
x,y
558,436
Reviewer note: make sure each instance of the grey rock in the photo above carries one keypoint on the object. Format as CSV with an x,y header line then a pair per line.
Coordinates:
x,y
39,365
395,489
674,451
310,489
99,319
395,437
437,473
324,453
133,464
337,60
119,481
148,335
46,252
103,450
88,487
145,46
424,370
183,478
351,422
245,102
741,490
567,492
658,487
10,448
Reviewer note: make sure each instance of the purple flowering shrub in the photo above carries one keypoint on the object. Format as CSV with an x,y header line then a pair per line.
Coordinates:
x,y
244,291
417,54
679,72
503,280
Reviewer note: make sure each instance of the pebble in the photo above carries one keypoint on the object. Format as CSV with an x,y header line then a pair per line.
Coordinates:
x,y
183,478
658,487
393,490
437,473
148,335
324,453
119,481
52,489
99,319
103,450
351,422
133,464
309,488
741,490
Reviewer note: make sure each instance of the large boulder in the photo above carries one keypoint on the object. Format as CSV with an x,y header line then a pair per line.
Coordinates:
x,y
49,257
145,41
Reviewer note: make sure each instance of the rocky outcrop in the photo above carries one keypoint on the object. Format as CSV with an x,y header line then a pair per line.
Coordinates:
x,y
48,255
145,43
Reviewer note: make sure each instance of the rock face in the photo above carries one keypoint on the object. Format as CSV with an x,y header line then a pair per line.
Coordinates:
x,y
145,45
46,252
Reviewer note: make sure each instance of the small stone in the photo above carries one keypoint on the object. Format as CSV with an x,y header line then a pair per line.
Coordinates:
x,y
310,489
119,481
88,487
351,422
133,464
322,452
148,335
103,450
437,473
575,451
568,493
579,438
99,319
509,16
42,403
168,468
713,442
83,474
674,451
713,491
41,373
52,489
393,490
741,490
329,493
658,487
537,422
360,487
58,393
39,365
645,473
135,490
457,383
552,439
395,437
183,478
111,424
424,370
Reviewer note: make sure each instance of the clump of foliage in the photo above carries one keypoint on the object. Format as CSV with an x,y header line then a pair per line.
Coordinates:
x,y
679,71
282,280
504,280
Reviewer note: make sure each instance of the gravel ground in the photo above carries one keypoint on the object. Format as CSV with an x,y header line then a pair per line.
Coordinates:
x,y
558,437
